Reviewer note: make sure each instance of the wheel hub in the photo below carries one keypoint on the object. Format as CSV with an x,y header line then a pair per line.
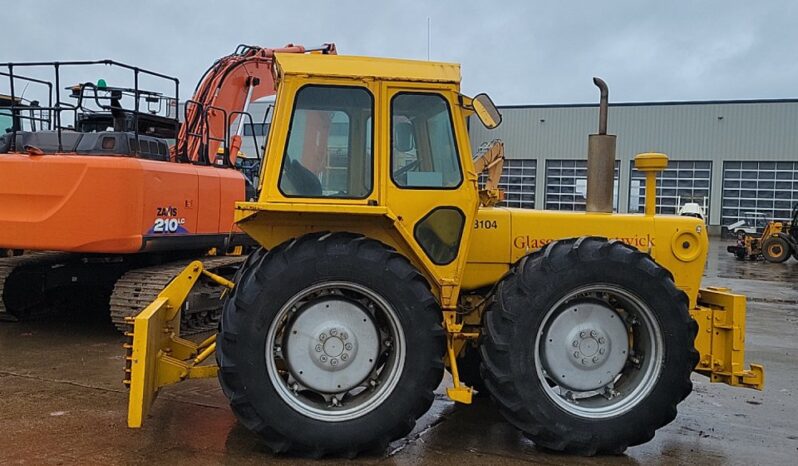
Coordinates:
x,y
586,346
332,345
335,350
590,347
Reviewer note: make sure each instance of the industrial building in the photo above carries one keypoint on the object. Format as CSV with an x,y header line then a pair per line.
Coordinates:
x,y
733,156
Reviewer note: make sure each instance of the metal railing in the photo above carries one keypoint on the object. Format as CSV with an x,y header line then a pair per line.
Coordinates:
x,y
54,119
91,98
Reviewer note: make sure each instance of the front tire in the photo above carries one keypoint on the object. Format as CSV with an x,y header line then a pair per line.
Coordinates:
x,y
331,344
775,250
588,347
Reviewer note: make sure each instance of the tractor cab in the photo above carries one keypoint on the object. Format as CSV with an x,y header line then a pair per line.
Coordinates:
x,y
390,146
383,262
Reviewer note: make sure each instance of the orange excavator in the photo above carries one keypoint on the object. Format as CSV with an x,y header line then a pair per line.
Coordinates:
x,y
105,207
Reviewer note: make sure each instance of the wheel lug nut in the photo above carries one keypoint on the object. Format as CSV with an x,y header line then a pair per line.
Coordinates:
x,y
344,357
602,340
593,333
323,336
333,332
575,343
348,346
582,334
602,350
344,335
333,362
595,358
577,354
584,362
318,348
323,358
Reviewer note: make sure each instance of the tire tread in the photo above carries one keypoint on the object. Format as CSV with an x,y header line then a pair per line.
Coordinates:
x,y
545,426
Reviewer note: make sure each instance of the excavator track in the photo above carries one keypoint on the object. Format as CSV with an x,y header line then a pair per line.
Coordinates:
x,y
139,287
33,259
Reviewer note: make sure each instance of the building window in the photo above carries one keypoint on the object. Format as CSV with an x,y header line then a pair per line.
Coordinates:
x,y
683,181
566,185
769,188
518,182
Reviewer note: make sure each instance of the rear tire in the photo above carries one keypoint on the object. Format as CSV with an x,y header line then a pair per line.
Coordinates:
x,y
776,250
557,355
372,313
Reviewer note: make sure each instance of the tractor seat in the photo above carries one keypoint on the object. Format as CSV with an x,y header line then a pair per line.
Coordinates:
x,y
299,181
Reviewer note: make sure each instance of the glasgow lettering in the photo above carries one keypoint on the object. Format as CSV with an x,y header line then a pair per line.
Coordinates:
x,y
527,242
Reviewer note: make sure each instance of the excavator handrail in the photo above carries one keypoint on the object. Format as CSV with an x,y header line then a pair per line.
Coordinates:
x,y
54,110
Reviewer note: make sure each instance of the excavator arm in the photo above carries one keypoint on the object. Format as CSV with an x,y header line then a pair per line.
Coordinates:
x,y
490,158
221,100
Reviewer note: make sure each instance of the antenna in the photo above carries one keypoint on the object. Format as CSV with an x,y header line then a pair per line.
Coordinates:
x,y
428,37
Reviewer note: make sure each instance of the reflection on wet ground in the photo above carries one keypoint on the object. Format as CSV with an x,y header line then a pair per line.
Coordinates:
x,y
758,279
62,401
725,265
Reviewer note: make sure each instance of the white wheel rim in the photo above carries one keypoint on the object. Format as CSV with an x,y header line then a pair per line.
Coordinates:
x,y
642,353
291,348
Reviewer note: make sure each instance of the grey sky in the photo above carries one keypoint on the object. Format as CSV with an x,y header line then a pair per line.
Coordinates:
x,y
520,52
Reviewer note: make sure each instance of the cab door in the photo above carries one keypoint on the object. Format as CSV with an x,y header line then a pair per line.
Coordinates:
x,y
430,185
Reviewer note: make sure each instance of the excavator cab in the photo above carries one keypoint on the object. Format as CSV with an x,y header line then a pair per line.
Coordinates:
x,y
9,114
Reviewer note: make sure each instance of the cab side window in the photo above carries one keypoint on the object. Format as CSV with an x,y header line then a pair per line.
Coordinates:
x,y
423,149
6,121
329,147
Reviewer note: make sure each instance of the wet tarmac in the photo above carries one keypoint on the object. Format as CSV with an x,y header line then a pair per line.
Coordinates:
x,y
62,402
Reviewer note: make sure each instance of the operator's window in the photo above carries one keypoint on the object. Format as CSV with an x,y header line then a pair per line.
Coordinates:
x,y
423,152
6,122
329,148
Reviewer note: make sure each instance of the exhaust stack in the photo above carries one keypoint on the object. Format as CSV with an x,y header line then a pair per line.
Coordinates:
x,y
601,159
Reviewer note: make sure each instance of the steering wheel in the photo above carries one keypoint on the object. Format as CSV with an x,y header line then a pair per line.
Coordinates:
x,y
403,171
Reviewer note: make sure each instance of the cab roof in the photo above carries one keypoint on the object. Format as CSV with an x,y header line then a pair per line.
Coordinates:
x,y
7,98
349,66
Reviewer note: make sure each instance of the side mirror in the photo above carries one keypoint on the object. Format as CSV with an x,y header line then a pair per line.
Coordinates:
x,y
403,138
486,111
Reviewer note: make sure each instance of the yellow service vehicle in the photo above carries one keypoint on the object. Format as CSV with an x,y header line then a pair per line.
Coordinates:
x,y
383,263
778,241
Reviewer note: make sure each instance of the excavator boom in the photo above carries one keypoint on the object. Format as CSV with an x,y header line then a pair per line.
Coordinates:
x,y
221,99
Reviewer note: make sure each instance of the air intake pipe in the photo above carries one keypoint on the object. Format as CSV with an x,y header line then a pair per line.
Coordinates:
x,y
601,159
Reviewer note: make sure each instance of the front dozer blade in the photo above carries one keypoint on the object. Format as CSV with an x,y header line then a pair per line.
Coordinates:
x,y
157,356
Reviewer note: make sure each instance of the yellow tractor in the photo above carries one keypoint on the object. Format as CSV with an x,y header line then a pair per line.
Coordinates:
x,y
383,264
